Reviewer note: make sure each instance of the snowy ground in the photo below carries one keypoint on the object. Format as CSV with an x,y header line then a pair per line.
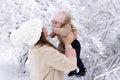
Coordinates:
x,y
8,72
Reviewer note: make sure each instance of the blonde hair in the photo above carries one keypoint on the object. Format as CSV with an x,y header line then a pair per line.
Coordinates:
x,y
67,17
68,21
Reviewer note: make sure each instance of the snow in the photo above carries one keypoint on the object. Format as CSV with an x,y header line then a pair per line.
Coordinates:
x,y
98,24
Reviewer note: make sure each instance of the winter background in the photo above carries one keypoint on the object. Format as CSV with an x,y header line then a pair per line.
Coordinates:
x,y
98,24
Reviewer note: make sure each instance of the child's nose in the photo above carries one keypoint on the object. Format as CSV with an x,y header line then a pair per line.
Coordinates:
x,y
53,22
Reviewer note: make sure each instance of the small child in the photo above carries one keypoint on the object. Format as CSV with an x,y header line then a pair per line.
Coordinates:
x,y
61,27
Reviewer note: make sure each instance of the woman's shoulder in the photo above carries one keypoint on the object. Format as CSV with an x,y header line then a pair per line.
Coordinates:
x,y
45,47
50,48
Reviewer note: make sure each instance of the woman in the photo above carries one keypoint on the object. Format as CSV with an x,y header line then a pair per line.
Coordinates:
x,y
46,63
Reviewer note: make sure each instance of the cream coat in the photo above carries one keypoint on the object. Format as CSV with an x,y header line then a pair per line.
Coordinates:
x,y
46,63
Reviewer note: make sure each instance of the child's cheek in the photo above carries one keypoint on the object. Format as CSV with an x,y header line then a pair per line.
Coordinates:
x,y
57,26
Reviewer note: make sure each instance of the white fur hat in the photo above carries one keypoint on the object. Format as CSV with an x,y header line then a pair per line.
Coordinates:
x,y
28,33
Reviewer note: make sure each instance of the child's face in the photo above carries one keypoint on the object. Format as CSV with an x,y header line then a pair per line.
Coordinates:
x,y
56,24
58,20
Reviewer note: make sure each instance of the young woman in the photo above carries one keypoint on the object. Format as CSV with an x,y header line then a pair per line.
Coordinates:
x,y
45,61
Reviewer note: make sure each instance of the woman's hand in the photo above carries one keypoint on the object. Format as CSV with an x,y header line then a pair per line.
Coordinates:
x,y
68,39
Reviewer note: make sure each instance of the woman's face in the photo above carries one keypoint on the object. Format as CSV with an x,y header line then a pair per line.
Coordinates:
x,y
45,32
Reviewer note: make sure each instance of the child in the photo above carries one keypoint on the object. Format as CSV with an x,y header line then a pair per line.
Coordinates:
x,y
61,27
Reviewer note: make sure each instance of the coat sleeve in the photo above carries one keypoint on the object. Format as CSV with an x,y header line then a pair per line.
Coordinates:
x,y
62,31
63,62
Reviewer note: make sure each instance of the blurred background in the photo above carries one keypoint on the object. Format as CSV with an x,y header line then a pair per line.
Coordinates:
x,y
98,24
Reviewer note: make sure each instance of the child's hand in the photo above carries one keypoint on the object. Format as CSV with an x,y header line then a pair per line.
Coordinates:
x,y
67,25
57,26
